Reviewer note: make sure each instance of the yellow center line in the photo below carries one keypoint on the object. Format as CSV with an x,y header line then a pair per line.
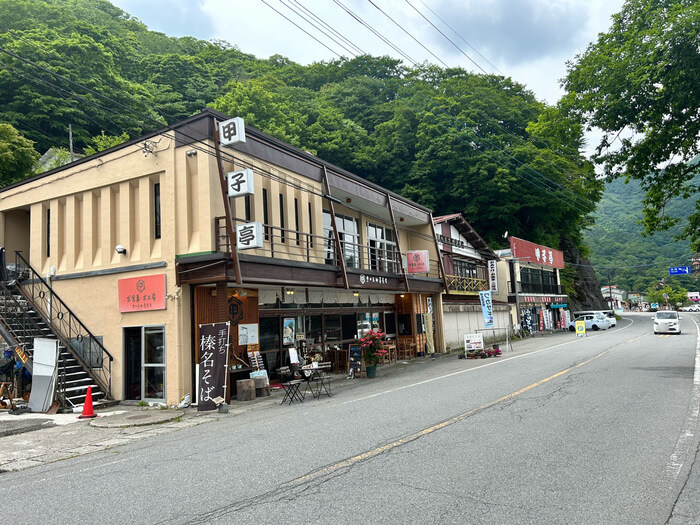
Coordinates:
x,y
379,450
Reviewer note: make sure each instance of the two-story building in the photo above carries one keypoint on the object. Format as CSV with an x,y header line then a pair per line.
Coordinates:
x,y
529,280
137,246
470,268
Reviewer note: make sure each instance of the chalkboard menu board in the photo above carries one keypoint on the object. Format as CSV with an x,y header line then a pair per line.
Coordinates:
x,y
356,359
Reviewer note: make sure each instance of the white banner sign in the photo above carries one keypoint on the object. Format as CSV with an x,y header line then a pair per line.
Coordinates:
x,y
493,277
240,183
249,235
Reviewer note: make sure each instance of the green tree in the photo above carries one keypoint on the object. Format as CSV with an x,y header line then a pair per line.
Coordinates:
x,y
643,76
102,142
17,155
655,294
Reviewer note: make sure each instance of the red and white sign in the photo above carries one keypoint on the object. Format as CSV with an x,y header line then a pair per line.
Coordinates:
x,y
139,294
417,261
535,253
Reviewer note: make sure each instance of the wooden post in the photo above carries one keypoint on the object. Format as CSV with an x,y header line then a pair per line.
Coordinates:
x,y
396,236
338,248
441,265
227,204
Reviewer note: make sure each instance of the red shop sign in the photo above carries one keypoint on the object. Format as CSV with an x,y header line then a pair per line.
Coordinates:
x,y
417,261
139,294
536,253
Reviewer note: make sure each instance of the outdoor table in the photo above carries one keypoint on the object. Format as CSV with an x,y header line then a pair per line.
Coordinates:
x,y
318,376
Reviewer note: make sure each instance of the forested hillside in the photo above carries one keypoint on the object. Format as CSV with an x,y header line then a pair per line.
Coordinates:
x,y
617,247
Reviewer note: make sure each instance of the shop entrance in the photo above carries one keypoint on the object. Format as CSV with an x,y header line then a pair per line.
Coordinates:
x,y
144,363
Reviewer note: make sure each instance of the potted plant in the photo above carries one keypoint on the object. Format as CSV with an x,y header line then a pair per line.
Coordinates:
x,y
372,351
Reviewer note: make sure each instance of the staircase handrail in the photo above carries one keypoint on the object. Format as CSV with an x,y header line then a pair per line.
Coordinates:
x,y
57,320
8,297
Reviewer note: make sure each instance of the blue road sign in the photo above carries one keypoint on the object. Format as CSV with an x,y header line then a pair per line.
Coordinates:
x,y
679,270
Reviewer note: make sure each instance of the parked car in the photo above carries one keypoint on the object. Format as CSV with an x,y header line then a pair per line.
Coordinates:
x,y
691,308
612,320
596,321
667,322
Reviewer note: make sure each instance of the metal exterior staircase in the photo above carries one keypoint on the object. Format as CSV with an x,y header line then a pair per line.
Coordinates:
x,y
30,308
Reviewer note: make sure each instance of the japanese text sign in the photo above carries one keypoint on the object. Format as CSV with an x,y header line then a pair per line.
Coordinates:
x,y
486,308
138,294
493,277
534,253
249,235
417,261
473,342
679,270
232,131
213,360
240,182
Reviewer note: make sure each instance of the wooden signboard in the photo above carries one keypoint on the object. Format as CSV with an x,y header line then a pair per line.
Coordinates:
x,y
356,360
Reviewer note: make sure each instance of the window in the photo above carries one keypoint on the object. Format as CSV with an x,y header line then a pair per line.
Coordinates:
x,y
382,249
156,210
348,232
48,232
296,218
266,218
282,232
311,227
246,204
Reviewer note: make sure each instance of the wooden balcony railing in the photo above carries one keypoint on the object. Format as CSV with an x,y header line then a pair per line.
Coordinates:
x,y
300,246
466,285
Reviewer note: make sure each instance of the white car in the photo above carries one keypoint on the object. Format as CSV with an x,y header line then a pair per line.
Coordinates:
x,y
593,322
612,320
667,322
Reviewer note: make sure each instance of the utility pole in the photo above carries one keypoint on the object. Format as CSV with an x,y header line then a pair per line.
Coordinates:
x,y
70,142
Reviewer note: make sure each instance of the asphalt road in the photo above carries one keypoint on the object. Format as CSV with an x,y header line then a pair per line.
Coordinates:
x,y
595,430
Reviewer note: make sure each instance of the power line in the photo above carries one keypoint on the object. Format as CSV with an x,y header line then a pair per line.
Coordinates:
x,y
409,34
447,38
536,175
456,33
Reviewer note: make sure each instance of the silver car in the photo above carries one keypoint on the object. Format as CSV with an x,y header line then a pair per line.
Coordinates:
x,y
667,322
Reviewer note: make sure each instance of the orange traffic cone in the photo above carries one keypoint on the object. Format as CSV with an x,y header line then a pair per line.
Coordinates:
x,y
88,412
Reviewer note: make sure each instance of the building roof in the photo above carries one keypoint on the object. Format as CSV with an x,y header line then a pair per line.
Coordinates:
x,y
465,229
187,132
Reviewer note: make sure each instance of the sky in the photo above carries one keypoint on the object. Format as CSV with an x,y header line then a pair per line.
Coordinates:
x,y
528,40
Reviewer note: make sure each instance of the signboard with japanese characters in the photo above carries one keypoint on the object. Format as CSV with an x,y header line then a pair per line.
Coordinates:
x,y
232,131
249,235
240,183
138,294
213,362
417,261
529,252
493,277
486,308
473,342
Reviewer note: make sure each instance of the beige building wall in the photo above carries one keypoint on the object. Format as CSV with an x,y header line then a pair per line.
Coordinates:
x,y
73,219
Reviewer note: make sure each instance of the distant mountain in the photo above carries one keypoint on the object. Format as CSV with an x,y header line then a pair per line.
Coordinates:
x,y
618,250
